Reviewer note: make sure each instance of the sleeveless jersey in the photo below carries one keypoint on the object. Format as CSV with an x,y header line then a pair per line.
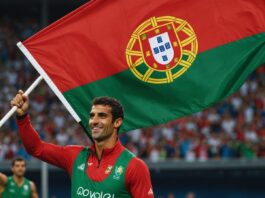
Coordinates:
x,y
13,191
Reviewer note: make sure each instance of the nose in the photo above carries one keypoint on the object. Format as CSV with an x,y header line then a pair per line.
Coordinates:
x,y
94,120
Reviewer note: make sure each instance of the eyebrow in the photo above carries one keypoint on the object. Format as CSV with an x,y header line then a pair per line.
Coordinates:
x,y
102,114
99,114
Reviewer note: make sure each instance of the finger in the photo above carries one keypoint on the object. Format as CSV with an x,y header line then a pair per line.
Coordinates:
x,y
19,98
17,101
20,104
25,98
20,92
20,95
14,102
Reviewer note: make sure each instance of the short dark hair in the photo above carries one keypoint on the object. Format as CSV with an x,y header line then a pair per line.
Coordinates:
x,y
18,159
116,107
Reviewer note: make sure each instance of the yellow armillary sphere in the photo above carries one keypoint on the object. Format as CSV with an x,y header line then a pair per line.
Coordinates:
x,y
161,49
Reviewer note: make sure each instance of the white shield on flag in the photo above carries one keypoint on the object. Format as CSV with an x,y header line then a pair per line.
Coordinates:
x,y
162,49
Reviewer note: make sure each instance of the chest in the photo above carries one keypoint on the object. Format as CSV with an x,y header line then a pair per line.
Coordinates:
x,y
99,170
91,178
108,176
12,190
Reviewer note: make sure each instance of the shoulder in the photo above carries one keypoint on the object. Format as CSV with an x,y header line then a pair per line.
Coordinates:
x,y
137,169
72,151
128,154
74,148
32,185
136,163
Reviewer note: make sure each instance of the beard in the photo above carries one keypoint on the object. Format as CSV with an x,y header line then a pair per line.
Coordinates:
x,y
102,136
20,174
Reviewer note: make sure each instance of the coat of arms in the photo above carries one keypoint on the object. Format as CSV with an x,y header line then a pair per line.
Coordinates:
x,y
161,49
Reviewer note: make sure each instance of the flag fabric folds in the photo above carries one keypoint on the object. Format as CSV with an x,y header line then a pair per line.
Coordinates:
x,y
162,59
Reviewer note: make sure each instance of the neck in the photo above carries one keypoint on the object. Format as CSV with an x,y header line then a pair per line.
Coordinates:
x,y
18,179
108,143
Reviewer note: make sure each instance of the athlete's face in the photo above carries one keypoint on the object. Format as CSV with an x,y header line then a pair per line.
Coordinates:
x,y
19,168
101,123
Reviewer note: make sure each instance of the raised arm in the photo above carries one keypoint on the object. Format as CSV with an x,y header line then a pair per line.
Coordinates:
x,y
60,156
22,103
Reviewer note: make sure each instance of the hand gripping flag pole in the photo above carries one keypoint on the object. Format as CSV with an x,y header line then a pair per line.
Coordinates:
x,y
44,76
47,79
27,92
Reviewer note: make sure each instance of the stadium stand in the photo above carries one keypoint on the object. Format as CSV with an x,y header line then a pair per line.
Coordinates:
x,y
233,129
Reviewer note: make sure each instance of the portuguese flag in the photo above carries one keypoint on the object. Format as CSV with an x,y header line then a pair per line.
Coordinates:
x,y
162,59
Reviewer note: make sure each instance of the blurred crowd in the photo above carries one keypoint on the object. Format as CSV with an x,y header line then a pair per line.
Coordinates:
x,y
234,128
49,117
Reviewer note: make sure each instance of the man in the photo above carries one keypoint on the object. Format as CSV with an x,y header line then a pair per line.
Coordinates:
x,y
17,186
106,169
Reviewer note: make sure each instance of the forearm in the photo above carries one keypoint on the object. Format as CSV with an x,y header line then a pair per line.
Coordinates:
x,y
59,156
29,136
50,153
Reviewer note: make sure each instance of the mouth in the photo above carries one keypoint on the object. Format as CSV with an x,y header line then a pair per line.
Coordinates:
x,y
20,173
95,129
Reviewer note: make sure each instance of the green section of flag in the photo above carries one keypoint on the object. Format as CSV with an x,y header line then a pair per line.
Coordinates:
x,y
214,75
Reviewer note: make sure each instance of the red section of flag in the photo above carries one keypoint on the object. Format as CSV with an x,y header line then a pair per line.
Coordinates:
x,y
89,43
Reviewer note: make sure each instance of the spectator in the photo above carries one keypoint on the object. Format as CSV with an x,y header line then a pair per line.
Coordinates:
x,y
235,128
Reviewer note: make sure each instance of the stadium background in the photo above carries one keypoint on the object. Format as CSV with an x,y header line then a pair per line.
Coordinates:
x,y
217,153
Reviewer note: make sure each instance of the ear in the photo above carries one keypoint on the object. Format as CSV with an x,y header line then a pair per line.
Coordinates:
x,y
117,123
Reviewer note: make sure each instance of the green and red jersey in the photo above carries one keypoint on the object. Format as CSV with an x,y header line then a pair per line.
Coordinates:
x,y
112,186
134,174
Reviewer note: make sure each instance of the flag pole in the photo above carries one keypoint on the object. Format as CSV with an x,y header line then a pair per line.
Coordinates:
x,y
47,79
27,92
